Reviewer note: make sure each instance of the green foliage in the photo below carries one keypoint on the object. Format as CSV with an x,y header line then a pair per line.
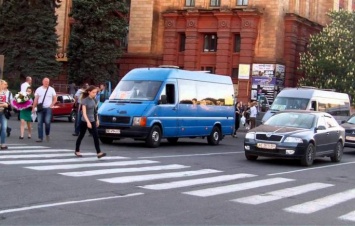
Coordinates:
x,y
28,38
329,62
94,41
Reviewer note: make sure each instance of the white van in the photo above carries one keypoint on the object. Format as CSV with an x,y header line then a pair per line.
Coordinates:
x,y
309,98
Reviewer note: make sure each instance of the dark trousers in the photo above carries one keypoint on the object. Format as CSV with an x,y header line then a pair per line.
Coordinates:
x,y
252,122
77,122
83,128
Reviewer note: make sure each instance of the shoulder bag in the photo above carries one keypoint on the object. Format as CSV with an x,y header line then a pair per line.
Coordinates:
x,y
40,105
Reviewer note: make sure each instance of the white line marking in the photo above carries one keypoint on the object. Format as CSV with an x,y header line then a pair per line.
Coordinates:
x,y
27,147
122,170
67,203
191,155
313,168
237,187
322,203
186,183
98,164
75,159
283,193
37,151
17,144
41,156
87,165
349,217
129,179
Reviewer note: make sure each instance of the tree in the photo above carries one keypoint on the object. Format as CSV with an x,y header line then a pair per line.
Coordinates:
x,y
28,38
329,62
94,41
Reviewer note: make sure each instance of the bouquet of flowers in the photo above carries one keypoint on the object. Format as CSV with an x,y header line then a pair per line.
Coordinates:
x,y
22,101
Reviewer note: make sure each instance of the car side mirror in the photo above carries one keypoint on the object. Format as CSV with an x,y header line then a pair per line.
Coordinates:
x,y
344,121
321,128
163,99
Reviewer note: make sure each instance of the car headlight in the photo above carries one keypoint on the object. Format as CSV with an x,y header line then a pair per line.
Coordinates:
x,y
139,121
293,140
250,136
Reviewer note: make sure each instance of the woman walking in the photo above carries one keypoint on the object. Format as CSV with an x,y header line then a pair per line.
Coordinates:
x,y
25,117
4,103
238,113
89,120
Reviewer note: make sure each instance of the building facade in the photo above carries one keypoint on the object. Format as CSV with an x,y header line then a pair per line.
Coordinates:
x,y
256,42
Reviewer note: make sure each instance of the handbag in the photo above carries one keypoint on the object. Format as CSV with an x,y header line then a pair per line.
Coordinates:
x,y
7,111
40,105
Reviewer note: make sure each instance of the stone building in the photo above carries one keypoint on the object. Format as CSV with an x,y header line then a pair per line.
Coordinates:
x,y
256,42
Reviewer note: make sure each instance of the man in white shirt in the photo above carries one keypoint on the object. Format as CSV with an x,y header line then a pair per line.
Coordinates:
x,y
26,84
253,113
46,96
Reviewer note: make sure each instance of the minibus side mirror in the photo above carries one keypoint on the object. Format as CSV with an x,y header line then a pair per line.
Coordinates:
x,y
163,99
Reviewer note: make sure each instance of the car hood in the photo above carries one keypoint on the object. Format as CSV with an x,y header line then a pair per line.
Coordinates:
x,y
348,126
277,129
123,109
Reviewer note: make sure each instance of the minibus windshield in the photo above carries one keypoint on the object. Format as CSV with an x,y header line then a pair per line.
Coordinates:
x,y
136,90
285,103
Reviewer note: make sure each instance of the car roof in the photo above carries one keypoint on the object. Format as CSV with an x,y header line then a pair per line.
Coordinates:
x,y
302,111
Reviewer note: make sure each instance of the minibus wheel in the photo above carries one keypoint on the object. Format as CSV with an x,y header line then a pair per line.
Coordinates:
x,y
154,137
215,136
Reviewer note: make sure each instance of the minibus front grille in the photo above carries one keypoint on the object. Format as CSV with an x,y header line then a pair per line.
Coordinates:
x,y
268,138
116,119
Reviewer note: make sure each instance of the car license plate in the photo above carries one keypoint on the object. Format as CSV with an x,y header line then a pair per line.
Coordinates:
x,y
266,146
350,138
115,131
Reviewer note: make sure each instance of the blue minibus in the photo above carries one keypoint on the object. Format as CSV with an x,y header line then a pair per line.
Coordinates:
x,y
152,104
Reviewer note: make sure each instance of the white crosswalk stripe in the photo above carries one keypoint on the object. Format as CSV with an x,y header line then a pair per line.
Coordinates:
x,y
123,170
322,203
280,194
26,147
37,151
237,187
75,159
186,183
41,155
348,217
98,164
147,177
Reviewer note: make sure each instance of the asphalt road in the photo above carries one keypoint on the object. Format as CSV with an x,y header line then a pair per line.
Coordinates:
x,y
190,183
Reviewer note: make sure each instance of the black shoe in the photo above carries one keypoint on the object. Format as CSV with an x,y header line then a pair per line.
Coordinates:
x,y
99,156
75,134
20,138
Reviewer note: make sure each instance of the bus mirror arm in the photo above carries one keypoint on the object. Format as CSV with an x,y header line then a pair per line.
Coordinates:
x,y
163,99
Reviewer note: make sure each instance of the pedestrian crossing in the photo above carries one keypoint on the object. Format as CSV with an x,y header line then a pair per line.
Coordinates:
x,y
155,175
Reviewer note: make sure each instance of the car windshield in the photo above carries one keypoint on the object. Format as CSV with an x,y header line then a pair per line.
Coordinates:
x,y
287,103
351,120
136,90
297,120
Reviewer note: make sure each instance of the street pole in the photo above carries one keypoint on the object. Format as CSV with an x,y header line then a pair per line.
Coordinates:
x,y
1,65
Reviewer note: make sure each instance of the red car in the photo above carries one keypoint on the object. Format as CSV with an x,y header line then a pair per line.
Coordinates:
x,y
64,106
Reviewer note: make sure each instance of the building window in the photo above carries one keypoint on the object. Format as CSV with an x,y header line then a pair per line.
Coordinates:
x,y
235,72
210,69
215,3
182,42
189,3
237,43
210,43
242,2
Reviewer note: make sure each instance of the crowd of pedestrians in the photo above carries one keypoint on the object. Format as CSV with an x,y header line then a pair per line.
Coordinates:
x,y
42,101
245,115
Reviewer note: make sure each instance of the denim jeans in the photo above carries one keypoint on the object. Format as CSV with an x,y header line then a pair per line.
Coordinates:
x,y
45,117
3,122
77,122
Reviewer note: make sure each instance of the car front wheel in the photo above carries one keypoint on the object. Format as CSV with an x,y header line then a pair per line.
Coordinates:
x,y
154,137
214,137
308,156
338,152
251,157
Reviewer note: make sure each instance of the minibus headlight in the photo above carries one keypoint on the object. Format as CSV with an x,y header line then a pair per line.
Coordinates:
x,y
139,121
